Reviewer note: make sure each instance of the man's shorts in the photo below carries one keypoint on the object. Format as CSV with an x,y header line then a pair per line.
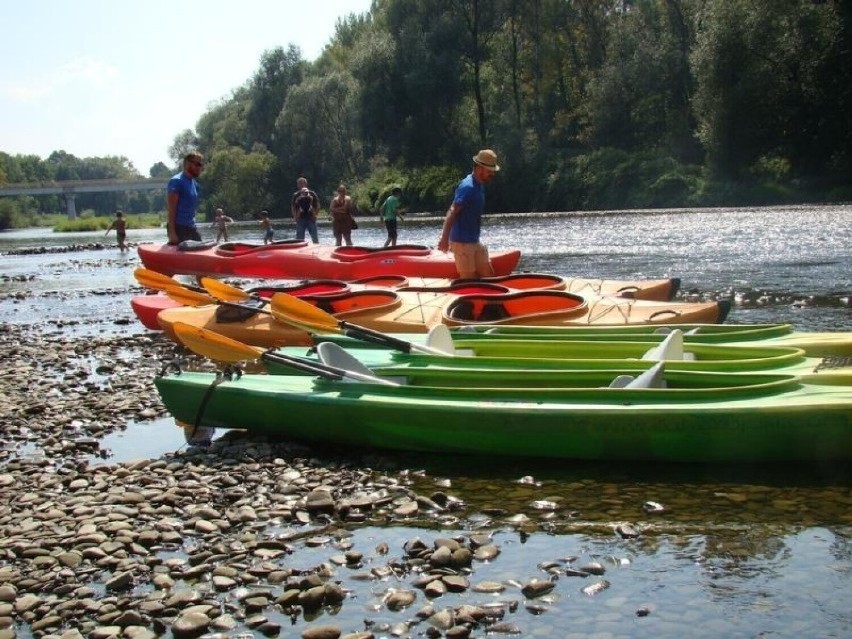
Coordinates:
x,y
472,257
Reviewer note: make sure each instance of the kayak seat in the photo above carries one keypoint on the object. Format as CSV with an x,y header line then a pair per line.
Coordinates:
x,y
440,339
324,305
232,313
461,310
621,381
193,245
651,378
671,348
493,311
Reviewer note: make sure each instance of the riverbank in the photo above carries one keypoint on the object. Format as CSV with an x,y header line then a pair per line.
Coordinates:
x,y
203,539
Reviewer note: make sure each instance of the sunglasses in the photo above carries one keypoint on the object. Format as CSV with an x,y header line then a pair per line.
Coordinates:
x,y
197,163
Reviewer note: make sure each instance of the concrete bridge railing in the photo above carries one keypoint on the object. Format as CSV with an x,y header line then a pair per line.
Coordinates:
x,y
69,189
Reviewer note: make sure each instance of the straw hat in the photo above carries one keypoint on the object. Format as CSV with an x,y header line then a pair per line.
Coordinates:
x,y
486,158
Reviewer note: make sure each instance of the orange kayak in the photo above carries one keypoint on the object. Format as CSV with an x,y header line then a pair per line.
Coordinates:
x,y
147,307
417,311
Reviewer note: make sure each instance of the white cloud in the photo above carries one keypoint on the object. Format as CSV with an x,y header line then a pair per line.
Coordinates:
x,y
87,70
84,72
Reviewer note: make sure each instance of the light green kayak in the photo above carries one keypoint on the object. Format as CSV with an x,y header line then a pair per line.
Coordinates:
x,y
815,344
677,416
528,354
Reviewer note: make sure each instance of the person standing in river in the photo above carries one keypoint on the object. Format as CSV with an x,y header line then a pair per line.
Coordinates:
x,y
389,212
266,225
342,219
305,207
461,230
120,226
221,223
182,200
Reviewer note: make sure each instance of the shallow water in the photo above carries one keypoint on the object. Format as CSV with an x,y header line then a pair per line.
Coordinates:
x,y
735,552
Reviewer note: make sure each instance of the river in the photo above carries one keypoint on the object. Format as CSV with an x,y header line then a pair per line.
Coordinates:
x,y
733,552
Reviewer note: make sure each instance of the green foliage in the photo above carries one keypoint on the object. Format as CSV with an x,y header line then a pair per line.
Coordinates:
x,y
90,222
238,182
10,216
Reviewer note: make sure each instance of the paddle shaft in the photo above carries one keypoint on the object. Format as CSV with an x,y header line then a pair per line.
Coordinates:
x,y
322,370
375,337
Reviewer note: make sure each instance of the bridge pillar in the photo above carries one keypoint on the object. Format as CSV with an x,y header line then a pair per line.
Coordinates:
x,y
70,207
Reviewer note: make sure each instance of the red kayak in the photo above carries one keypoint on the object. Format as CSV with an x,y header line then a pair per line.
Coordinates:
x,y
299,260
147,307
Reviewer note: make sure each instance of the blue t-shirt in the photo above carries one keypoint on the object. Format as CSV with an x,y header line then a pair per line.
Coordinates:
x,y
188,193
470,196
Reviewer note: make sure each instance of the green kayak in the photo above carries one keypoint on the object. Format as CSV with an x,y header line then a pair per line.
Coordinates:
x,y
815,344
526,354
660,415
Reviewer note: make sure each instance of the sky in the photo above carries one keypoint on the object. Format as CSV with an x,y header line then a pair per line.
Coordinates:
x,y
98,78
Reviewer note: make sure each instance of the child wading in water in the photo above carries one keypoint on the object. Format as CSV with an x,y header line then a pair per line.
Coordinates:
x,y
120,226
266,225
221,223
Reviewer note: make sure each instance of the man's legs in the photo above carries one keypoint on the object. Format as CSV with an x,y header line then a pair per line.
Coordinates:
x,y
483,262
301,225
312,230
464,254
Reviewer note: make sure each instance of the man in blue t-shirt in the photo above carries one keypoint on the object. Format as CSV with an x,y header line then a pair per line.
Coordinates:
x,y
460,233
182,200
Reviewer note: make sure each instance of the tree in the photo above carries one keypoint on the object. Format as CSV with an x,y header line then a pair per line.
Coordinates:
x,y
159,170
267,91
238,182
184,142
757,91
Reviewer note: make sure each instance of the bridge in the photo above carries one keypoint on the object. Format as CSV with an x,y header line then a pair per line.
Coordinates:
x,y
69,189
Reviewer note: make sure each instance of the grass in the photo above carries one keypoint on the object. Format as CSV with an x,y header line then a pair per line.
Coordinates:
x,y
90,222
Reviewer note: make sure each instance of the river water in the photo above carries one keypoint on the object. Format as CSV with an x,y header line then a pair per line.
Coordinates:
x,y
734,552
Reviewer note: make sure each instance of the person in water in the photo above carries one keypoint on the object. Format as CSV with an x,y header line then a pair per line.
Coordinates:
x,y
182,200
120,226
389,212
221,223
342,218
266,225
305,207
460,233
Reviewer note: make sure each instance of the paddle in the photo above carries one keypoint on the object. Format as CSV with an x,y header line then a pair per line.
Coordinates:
x,y
219,347
306,316
226,292
159,282
188,297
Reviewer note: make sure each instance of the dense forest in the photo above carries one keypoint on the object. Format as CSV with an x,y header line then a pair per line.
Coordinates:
x,y
590,104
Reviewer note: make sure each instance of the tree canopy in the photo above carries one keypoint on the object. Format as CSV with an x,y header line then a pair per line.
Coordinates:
x,y
589,104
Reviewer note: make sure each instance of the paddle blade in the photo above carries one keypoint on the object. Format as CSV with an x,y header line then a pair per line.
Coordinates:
x,y
188,297
151,279
224,292
213,345
302,314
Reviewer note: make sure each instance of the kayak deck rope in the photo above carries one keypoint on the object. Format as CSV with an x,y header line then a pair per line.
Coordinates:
x,y
623,306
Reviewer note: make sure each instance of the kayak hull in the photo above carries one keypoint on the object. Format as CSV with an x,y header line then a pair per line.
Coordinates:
x,y
756,421
298,260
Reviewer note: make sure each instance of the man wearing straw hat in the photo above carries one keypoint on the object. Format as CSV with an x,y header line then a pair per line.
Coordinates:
x,y
460,233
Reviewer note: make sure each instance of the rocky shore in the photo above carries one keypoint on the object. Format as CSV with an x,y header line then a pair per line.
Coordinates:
x,y
206,541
